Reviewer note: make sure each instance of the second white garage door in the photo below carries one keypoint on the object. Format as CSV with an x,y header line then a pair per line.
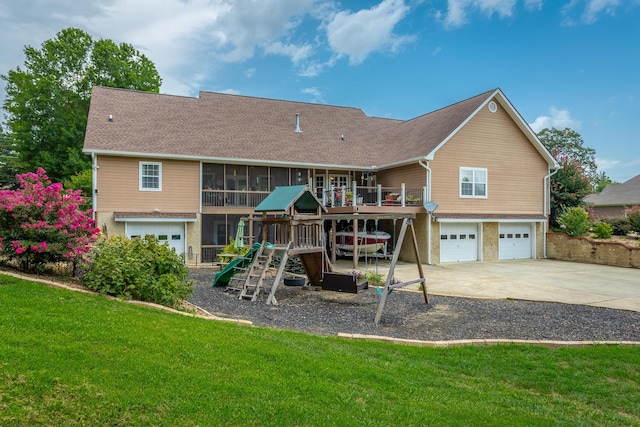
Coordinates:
x,y
515,240
458,242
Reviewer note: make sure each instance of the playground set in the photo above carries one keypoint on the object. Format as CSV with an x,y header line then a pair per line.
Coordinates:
x,y
293,221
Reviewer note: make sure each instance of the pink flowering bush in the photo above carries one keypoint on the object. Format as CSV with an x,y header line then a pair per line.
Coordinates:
x,y
633,215
41,223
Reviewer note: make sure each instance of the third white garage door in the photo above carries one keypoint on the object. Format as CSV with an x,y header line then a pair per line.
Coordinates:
x,y
458,242
515,240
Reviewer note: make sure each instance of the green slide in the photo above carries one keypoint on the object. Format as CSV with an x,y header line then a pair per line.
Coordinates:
x,y
223,277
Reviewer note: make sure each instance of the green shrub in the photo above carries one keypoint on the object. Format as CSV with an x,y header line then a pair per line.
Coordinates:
x,y
141,268
231,249
574,221
620,225
602,230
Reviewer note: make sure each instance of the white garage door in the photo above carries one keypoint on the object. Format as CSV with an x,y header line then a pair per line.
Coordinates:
x,y
458,242
515,240
170,232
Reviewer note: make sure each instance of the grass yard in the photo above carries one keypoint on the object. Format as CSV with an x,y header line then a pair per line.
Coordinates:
x,y
68,358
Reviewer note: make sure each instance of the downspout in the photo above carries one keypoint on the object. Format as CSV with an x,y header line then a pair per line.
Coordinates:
x,y
428,169
547,209
94,185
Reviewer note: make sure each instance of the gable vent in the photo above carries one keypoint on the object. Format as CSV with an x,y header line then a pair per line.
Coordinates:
x,y
298,123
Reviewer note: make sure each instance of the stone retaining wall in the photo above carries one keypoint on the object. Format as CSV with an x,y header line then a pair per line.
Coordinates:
x,y
582,249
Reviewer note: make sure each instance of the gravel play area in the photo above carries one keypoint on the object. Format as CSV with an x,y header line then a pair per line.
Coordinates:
x,y
407,316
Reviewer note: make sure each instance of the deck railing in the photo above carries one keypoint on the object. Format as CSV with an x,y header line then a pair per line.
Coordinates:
x,y
237,198
374,196
335,197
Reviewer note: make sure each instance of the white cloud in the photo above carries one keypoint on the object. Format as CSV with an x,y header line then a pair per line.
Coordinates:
x,y
357,35
593,10
604,164
596,7
317,96
533,5
457,10
558,119
296,53
229,91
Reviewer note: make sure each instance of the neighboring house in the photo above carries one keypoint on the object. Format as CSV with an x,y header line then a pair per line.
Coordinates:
x,y
188,169
612,200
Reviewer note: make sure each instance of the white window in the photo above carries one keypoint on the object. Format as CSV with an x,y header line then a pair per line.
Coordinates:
x,y
150,176
473,182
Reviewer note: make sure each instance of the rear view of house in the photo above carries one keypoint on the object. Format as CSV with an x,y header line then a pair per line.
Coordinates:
x,y
473,174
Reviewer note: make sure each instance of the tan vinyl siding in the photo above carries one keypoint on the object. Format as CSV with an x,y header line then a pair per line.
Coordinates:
x,y
515,169
413,176
118,186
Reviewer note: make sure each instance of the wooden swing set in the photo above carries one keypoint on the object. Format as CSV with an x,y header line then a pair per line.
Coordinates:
x,y
293,218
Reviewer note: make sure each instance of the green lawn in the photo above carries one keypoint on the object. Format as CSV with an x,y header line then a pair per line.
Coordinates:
x,y
68,358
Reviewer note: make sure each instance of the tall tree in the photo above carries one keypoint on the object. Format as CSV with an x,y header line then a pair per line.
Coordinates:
x,y
567,143
578,170
48,102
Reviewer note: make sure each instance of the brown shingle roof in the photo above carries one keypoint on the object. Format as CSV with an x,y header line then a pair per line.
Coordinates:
x,y
245,129
625,194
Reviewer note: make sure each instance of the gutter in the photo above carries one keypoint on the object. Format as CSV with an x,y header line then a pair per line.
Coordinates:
x,y
94,184
547,209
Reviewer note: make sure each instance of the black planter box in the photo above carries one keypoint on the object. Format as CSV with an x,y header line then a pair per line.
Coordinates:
x,y
343,283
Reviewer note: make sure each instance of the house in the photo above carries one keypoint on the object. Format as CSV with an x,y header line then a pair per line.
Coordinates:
x,y
188,169
612,200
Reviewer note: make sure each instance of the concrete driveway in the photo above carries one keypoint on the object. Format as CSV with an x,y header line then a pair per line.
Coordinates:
x,y
537,280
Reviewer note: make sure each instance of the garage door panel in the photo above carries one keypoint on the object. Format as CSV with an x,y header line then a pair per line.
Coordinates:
x,y
170,232
515,241
458,242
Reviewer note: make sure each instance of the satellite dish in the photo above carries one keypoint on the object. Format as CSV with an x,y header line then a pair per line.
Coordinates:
x,y
430,206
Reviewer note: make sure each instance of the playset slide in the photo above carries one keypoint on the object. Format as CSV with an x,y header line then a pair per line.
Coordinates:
x,y
223,277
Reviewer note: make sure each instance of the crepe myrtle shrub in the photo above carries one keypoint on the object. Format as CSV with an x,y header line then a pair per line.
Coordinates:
x,y
42,223
574,221
142,268
633,215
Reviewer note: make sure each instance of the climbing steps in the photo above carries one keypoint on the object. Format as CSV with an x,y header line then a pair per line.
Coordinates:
x,y
250,281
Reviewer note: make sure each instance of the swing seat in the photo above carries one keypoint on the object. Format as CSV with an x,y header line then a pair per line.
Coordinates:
x,y
342,283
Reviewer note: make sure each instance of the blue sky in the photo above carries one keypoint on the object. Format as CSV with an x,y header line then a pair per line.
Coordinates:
x,y
562,63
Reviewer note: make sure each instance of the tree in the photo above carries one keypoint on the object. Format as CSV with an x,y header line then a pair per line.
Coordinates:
x,y
602,181
48,102
577,174
568,144
8,160
569,187
42,223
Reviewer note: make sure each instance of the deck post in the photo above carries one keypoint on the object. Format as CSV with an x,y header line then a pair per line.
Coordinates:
x,y
379,194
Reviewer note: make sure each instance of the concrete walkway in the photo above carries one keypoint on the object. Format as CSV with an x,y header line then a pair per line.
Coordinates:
x,y
537,280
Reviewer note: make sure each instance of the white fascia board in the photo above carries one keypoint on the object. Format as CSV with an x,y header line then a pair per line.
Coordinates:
x,y
472,220
230,161
155,220
520,122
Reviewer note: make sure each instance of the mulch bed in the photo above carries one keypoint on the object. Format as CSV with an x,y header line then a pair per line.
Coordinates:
x,y
407,316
